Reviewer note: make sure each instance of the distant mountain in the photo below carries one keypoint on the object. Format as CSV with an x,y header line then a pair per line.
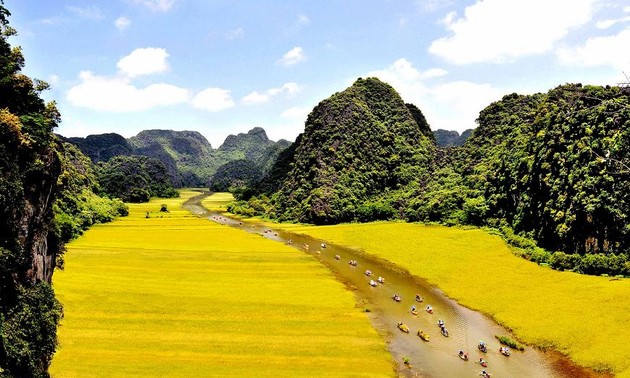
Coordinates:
x,y
102,147
451,138
188,157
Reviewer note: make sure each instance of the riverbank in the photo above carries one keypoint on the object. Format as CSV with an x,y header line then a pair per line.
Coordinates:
x,y
177,295
583,317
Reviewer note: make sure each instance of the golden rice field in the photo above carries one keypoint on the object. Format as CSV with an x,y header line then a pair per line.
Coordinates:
x,y
584,317
179,296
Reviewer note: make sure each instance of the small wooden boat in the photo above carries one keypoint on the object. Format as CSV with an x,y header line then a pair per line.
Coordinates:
x,y
323,245
463,355
368,272
403,327
483,362
397,298
423,335
444,332
414,312
381,280
337,257
505,351
441,323
430,309
373,283
419,298
482,347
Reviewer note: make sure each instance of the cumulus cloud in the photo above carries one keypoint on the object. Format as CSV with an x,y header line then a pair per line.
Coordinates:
x,y
501,30
119,95
447,105
259,98
213,99
122,23
157,5
144,61
293,56
600,51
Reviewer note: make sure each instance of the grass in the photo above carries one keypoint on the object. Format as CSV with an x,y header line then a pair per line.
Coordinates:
x,y
505,340
178,296
584,317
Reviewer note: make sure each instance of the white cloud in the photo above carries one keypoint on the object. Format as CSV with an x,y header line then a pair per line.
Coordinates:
x,y
144,61
213,99
119,95
293,56
502,30
122,23
600,51
259,98
605,24
450,105
297,113
90,13
237,33
303,20
157,5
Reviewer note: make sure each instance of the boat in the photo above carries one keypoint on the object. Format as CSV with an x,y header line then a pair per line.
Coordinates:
x,y
483,362
482,346
423,335
323,245
444,332
505,351
463,355
441,323
373,283
414,312
381,280
353,262
397,298
419,298
368,272
430,309
403,327
337,257
485,374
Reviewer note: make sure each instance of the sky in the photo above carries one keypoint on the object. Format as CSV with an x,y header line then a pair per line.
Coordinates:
x,y
222,67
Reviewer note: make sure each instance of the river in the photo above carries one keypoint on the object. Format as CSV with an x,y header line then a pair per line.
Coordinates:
x,y
437,357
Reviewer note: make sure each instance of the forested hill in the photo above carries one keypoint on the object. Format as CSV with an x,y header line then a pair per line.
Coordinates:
x,y
188,157
555,166
548,170
357,145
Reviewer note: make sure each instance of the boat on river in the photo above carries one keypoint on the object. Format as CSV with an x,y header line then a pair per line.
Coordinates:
x,y
403,327
423,335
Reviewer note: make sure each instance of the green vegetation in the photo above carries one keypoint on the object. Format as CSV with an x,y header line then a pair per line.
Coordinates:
x,y
78,205
178,296
509,342
135,179
358,146
29,167
584,317
547,171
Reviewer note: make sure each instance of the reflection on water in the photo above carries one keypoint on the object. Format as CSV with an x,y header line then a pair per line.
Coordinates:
x,y
437,357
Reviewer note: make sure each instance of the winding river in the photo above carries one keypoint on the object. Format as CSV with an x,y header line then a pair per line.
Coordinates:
x,y
437,357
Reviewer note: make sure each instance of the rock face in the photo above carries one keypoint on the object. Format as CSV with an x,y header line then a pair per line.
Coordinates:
x,y
451,138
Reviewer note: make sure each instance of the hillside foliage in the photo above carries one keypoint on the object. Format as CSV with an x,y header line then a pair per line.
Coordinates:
x,y
29,167
549,171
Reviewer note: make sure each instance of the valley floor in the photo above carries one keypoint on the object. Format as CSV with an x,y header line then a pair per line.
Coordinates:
x,y
584,317
174,295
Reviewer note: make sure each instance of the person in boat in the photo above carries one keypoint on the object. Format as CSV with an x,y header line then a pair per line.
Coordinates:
x,y
368,272
429,309
461,353
441,323
396,297
483,362
381,279
337,257
418,298
373,283
413,308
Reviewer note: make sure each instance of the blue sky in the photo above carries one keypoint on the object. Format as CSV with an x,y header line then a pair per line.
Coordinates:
x,y
222,66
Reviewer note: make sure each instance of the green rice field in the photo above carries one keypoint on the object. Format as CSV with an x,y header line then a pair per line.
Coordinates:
x,y
173,295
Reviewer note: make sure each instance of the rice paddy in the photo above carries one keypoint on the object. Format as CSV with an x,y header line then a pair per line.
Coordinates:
x,y
173,295
584,317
